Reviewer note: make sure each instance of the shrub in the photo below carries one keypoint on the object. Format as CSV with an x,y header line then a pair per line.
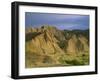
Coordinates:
x,y
74,62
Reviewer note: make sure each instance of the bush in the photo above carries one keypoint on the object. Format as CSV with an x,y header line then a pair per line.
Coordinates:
x,y
71,62
75,62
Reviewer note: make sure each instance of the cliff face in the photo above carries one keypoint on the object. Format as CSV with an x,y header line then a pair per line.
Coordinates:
x,y
49,46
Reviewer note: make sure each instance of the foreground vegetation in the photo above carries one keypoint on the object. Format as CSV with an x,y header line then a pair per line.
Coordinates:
x,y
35,60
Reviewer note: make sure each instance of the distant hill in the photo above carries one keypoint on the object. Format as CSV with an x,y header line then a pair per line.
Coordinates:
x,y
48,46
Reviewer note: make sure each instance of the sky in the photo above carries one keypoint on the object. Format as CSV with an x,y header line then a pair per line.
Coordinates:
x,y
61,21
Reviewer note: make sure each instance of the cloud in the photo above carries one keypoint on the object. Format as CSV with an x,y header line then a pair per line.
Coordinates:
x,y
60,20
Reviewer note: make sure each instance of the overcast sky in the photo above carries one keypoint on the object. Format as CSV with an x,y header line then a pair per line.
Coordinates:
x,y
61,21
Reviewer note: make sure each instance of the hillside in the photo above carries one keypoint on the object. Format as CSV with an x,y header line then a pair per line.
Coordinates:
x,y
48,46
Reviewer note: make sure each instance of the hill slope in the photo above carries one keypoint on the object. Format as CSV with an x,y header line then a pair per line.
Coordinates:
x,y
49,46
